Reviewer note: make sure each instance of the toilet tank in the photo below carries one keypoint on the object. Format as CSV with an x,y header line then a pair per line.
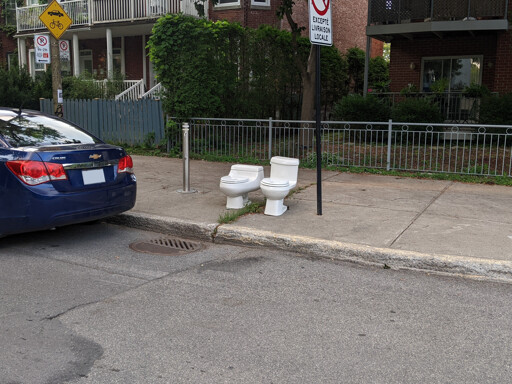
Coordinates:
x,y
249,171
285,168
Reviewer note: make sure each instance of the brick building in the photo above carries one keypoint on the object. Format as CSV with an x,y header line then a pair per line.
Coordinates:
x,y
7,43
349,19
249,13
460,42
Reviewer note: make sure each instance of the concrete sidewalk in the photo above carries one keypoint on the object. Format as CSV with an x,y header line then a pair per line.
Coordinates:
x,y
391,221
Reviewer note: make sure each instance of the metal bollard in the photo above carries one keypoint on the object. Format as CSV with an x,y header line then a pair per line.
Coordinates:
x,y
186,161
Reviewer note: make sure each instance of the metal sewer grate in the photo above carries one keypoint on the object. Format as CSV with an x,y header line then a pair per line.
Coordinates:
x,y
166,246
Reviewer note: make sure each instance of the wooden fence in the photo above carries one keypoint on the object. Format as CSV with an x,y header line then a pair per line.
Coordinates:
x,y
132,122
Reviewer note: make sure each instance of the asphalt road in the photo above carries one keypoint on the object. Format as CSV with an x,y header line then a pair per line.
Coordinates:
x,y
78,305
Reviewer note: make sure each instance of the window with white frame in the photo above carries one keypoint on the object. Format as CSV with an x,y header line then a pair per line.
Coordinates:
x,y
12,60
36,69
263,3
450,73
228,3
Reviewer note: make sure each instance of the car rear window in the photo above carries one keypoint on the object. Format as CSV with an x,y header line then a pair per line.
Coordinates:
x,y
38,131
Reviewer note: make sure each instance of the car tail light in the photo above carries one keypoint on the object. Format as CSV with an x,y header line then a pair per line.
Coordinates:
x,y
125,165
36,172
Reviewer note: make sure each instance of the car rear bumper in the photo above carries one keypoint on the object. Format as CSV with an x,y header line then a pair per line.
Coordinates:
x,y
42,211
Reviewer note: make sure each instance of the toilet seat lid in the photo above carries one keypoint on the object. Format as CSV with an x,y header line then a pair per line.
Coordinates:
x,y
275,182
233,180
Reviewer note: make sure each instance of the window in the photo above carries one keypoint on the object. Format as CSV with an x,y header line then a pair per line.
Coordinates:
x,y
12,60
36,69
263,3
37,130
450,73
117,59
227,3
86,61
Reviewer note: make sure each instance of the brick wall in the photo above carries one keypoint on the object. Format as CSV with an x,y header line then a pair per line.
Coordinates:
x,y
349,19
496,48
503,65
405,52
247,15
133,58
7,44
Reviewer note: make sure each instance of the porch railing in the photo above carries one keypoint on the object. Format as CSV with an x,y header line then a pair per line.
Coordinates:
x,y
154,93
134,92
122,10
27,18
406,11
91,12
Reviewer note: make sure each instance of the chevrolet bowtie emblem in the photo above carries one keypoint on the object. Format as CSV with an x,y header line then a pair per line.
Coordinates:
x,y
95,156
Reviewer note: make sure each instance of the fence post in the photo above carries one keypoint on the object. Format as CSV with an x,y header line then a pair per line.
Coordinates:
x,y
390,131
186,161
269,138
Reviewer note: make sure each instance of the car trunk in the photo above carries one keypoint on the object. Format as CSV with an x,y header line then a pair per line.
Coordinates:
x,y
87,166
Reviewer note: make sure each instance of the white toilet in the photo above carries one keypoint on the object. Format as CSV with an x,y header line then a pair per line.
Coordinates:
x,y
283,177
241,180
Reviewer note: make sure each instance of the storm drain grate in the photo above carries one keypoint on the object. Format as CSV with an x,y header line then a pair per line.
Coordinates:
x,y
166,246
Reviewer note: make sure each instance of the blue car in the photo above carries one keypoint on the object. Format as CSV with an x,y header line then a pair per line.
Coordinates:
x,y
52,173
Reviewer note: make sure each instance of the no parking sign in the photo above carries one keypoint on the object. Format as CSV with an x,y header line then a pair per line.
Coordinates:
x,y
42,49
320,22
64,50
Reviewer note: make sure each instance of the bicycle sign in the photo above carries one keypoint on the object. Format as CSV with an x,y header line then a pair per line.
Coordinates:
x,y
320,22
55,19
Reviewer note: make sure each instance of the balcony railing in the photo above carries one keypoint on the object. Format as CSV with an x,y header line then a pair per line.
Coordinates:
x,y
91,12
407,11
455,107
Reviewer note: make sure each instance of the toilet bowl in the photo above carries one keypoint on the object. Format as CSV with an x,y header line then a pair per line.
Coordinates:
x,y
283,178
241,180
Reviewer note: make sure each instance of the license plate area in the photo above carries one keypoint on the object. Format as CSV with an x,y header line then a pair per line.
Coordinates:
x,y
93,176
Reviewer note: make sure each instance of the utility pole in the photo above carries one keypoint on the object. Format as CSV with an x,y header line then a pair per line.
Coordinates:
x,y
57,21
56,77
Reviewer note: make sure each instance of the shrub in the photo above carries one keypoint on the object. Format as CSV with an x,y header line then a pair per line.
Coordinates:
x,y
378,74
82,87
476,90
359,108
496,110
413,110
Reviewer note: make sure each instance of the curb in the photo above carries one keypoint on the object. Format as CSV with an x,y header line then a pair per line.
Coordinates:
x,y
327,249
162,224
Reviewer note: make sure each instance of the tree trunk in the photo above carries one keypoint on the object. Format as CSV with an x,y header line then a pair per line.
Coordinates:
x,y
305,139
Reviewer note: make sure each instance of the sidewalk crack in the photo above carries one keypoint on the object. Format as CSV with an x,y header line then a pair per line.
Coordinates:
x,y
421,213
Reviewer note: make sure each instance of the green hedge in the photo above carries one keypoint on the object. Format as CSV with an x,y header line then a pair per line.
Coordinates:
x,y
416,110
359,108
496,110
221,69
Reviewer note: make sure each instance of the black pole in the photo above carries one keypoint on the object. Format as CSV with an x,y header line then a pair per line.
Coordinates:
x,y
318,87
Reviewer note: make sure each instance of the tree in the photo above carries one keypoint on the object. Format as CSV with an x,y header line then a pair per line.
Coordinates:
x,y
307,70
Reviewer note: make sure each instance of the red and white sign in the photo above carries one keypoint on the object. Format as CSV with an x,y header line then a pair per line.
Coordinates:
x,y
42,49
320,22
64,50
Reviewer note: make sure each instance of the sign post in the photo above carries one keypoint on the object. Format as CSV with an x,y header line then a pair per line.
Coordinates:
x,y
57,21
320,33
